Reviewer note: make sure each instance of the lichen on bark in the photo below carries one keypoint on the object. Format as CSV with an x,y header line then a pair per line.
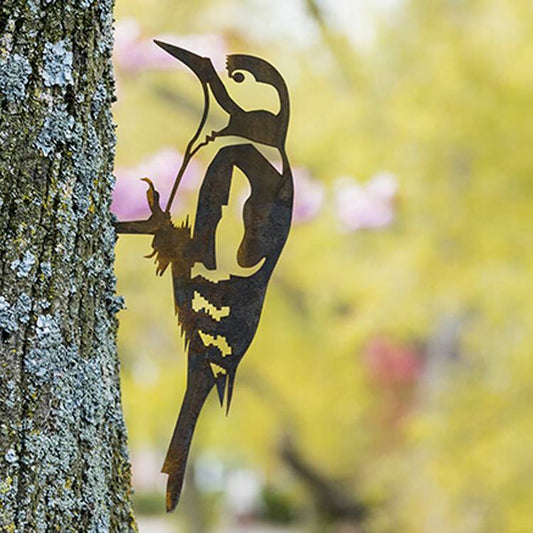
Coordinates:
x,y
63,458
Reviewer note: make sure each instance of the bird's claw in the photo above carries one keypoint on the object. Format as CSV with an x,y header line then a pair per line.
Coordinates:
x,y
156,221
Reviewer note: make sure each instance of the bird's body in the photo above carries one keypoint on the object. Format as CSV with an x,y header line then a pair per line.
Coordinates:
x,y
218,319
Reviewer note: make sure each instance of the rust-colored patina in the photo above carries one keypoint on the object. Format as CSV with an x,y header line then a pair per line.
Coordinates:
x,y
219,319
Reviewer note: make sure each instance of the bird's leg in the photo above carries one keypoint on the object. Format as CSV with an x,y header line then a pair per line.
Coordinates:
x,y
136,227
158,219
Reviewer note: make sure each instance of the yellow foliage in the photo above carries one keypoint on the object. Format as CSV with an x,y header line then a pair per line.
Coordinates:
x,y
443,100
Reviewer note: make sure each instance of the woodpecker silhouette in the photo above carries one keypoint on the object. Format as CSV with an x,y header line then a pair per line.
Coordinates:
x,y
219,319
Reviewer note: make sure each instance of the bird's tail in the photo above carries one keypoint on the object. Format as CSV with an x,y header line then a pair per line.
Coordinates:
x,y
199,385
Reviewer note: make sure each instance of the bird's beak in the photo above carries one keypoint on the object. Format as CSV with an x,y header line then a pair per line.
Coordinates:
x,y
192,60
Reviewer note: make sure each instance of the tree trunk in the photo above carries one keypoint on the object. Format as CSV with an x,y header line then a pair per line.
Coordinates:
x,y
63,458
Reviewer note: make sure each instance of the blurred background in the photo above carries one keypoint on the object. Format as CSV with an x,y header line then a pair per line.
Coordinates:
x,y
390,384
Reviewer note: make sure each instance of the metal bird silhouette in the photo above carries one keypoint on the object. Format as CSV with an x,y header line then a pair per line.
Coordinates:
x,y
219,319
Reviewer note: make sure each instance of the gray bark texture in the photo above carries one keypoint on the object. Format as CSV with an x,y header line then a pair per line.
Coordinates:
x,y
63,457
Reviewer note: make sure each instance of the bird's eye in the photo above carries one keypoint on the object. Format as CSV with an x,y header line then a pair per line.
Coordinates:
x,y
238,77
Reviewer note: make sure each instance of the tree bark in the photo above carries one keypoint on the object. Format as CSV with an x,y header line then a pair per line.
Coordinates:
x,y
63,458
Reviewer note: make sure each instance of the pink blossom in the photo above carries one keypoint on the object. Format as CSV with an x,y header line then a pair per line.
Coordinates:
x,y
133,53
125,52
129,195
394,370
392,363
308,196
383,185
366,206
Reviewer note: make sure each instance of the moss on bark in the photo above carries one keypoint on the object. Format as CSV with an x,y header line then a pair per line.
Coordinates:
x,y
63,458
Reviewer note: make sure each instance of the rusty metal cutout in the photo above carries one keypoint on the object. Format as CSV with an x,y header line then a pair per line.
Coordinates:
x,y
219,319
